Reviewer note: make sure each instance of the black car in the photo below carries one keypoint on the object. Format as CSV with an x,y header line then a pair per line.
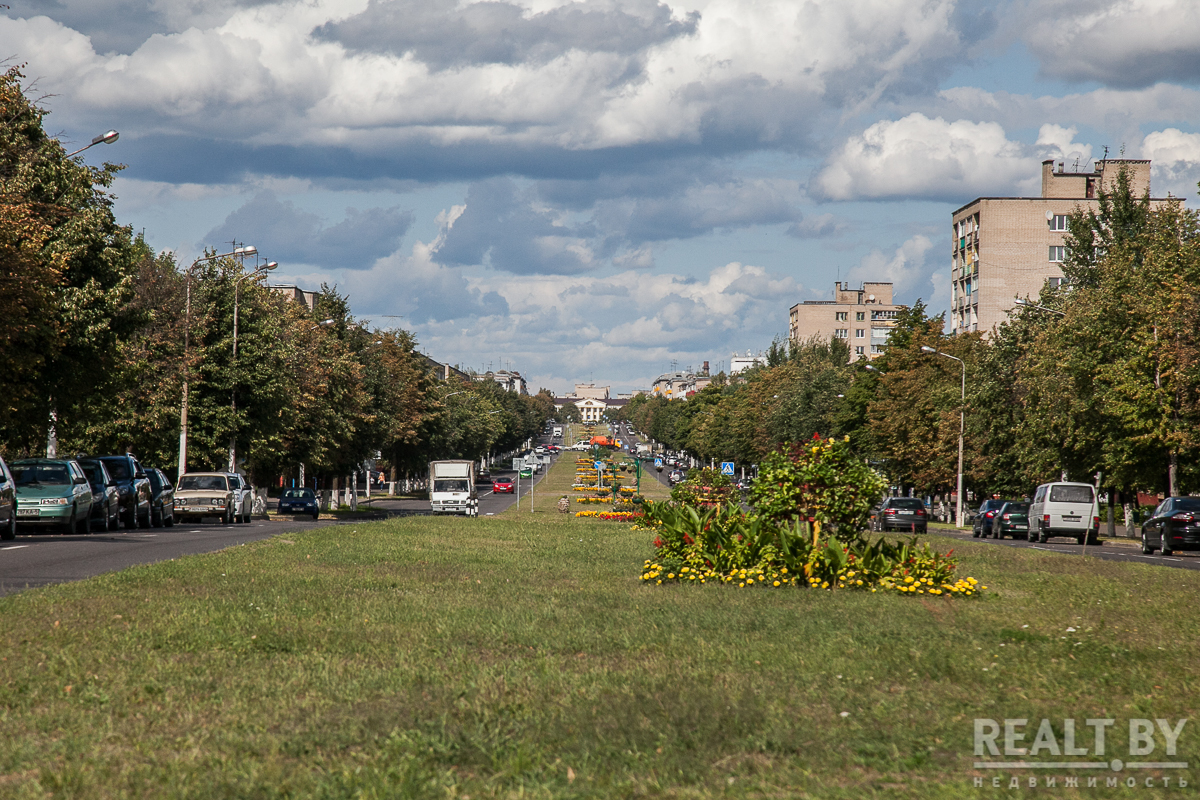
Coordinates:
x,y
106,498
902,514
1012,520
162,498
133,486
985,516
1174,525
299,501
8,504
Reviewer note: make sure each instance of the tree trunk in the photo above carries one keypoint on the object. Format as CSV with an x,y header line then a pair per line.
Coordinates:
x,y
1112,514
1172,471
1129,526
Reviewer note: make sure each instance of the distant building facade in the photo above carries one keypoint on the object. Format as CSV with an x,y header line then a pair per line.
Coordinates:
x,y
509,379
1009,247
679,385
296,294
591,390
742,363
862,318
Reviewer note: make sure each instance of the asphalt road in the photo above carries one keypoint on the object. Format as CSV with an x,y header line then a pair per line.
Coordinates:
x,y
1127,550
40,559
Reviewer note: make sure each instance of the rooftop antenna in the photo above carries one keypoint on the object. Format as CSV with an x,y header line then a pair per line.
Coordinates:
x,y
1105,153
1075,166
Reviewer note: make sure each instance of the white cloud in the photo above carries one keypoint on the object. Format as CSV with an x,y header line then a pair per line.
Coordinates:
x,y
905,268
921,157
1124,43
1175,161
1055,141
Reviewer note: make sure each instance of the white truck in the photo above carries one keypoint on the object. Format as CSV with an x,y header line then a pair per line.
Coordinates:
x,y
452,488
558,431
645,451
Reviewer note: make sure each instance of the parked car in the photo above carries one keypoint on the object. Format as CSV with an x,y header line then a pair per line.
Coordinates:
x,y
902,514
106,499
1065,509
134,488
162,498
1174,525
243,504
52,493
503,486
8,504
1011,520
675,477
204,494
982,523
300,501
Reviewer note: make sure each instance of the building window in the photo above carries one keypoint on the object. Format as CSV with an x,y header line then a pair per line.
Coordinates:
x,y
880,333
876,349
840,316
883,315
1056,282
860,333
1057,253
1058,222
860,315
858,351
841,333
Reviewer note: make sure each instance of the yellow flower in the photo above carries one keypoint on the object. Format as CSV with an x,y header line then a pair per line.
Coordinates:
x,y
776,584
670,574
909,579
784,570
741,585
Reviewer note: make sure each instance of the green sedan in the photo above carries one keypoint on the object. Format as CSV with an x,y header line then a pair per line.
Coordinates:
x,y
52,493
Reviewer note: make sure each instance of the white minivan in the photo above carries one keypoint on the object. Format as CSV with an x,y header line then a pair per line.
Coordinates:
x,y
1065,509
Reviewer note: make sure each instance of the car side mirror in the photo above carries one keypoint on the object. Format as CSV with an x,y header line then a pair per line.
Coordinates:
x,y
81,480
139,474
112,484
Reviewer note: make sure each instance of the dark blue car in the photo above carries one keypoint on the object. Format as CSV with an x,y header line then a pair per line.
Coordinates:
x,y
299,501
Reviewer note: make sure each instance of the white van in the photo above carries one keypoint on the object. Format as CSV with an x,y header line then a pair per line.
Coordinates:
x,y
1065,509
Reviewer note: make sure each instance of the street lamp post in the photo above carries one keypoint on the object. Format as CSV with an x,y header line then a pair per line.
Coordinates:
x,y
1023,303
237,285
104,138
246,250
962,416
52,430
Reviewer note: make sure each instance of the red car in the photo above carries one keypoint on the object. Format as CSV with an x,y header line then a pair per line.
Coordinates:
x,y
502,485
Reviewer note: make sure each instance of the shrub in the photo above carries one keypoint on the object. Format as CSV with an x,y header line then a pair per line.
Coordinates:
x,y
820,482
705,488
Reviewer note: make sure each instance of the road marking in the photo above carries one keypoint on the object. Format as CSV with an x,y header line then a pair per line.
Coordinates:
x,y
14,547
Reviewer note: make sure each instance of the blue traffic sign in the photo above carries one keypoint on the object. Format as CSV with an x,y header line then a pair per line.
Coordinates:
x,y
658,463
727,468
599,466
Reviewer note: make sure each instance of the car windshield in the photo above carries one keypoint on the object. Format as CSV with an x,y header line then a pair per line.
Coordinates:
x,y
1187,504
1070,494
203,483
235,481
298,494
118,468
45,474
448,485
94,474
1016,508
156,481
910,503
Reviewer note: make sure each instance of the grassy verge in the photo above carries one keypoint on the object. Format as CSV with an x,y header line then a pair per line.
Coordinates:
x,y
521,657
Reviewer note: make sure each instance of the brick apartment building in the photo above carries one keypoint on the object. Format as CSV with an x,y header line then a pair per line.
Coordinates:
x,y
862,318
1009,247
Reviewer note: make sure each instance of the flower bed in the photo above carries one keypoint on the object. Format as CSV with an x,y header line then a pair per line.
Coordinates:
x,y
611,516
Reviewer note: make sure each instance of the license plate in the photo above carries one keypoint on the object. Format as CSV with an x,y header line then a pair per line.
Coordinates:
x,y
28,512
1020,527
1070,519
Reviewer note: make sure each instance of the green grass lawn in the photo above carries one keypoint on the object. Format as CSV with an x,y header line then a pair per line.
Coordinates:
x,y
520,656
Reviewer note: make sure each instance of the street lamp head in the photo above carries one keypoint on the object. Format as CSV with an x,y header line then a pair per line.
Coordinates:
x,y
270,265
870,368
107,138
245,250
927,349
326,322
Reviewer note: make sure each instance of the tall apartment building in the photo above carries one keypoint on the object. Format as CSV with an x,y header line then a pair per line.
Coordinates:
x,y
862,318
1009,247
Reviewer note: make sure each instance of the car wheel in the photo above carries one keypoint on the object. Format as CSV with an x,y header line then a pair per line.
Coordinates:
x,y
156,520
317,515
1165,548
84,526
1042,537
10,530
228,516
129,518
975,533
1146,548
170,521
144,521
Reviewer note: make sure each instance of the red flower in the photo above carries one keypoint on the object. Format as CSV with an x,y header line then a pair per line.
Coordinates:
x,y
687,539
658,542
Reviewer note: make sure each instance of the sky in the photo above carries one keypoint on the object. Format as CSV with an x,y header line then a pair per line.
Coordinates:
x,y
600,191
